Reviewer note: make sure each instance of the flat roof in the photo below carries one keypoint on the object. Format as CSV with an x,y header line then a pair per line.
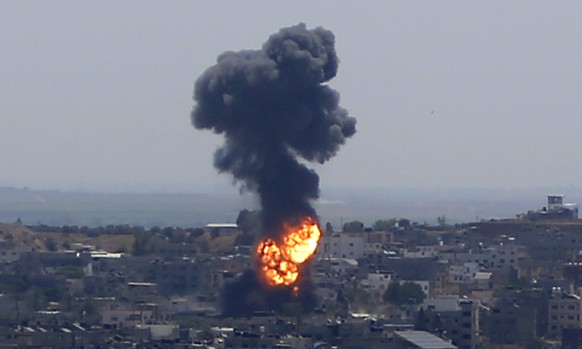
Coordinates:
x,y
221,225
425,340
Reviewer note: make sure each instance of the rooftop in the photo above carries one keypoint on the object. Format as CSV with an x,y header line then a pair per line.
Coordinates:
x,y
424,340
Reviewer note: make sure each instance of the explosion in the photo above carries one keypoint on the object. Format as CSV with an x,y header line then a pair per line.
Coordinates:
x,y
277,112
280,263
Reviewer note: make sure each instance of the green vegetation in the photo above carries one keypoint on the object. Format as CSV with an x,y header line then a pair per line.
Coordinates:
x,y
407,293
13,284
353,227
71,271
384,224
50,244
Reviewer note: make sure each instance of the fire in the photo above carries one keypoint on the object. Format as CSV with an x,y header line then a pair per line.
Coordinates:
x,y
280,262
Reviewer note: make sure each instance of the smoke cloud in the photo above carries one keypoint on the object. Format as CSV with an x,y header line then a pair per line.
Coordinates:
x,y
273,107
247,297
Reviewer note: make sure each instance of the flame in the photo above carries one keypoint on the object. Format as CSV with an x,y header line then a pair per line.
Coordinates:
x,y
280,262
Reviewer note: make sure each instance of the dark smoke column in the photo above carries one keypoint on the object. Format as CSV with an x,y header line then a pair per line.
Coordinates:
x,y
272,105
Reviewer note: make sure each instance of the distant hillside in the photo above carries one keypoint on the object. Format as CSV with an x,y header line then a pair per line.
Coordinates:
x,y
21,235
64,208
339,205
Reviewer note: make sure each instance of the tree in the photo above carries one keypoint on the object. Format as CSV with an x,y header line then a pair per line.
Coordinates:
x,y
407,293
353,227
442,220
194,234
392,294
384,224
142,244
328,228
178,236
204,246
249,222
52,294
50,244
244,240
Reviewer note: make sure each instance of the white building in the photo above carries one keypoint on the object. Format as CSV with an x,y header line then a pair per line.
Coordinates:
x,y
343,266
377,281
342,245
421,252
495,257
442,303
504,256
463,274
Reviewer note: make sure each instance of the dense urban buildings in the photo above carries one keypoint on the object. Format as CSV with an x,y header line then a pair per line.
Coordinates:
x,y
491,284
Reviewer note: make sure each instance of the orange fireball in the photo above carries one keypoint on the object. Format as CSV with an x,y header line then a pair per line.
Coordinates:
x,y
279,263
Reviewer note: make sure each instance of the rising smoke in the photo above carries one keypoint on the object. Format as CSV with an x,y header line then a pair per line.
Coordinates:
x,y
273,107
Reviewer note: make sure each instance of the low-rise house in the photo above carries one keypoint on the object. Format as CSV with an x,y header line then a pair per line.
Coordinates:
x,y
378,281
463,274
10,253
421,252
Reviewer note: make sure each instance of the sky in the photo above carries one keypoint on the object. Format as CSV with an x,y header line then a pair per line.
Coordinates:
x,y
97,95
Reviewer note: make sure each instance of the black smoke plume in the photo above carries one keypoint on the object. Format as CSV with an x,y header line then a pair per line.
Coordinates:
x,y
248,297
273,106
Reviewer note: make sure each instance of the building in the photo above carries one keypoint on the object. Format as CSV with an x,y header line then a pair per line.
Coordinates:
x,y
10,253
455,317
564,311
378,281
517,317
342,245
463,274
421,252
419,340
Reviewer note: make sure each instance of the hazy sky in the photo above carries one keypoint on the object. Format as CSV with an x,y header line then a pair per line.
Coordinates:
x,y
97,95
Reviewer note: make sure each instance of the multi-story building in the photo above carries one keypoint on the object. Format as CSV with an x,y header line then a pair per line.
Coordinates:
x,y
491,258
342,245
180,275
564,311
518,317
421,252
457,317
